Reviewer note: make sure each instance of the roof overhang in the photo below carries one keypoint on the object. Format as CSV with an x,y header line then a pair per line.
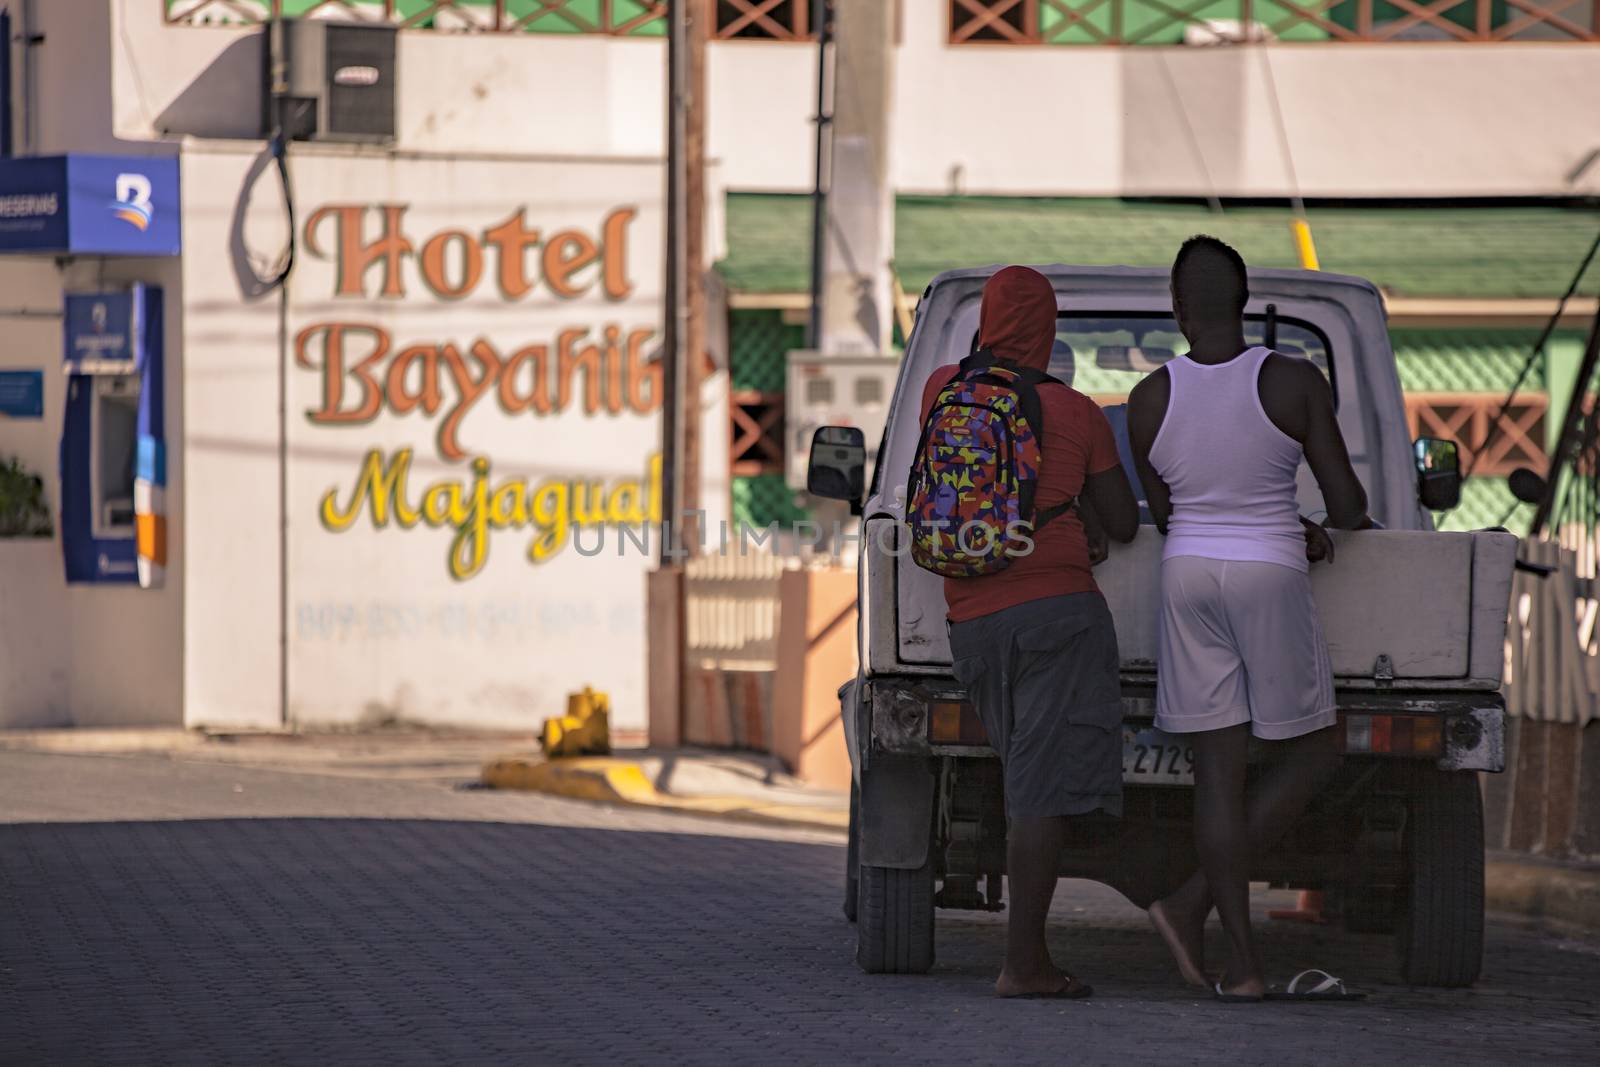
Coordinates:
x,y
1429,311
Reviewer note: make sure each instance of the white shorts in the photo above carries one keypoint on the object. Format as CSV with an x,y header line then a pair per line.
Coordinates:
x,y
1241,643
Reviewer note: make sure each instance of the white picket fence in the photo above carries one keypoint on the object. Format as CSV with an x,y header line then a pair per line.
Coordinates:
x,y
731,610
1552,655
731,648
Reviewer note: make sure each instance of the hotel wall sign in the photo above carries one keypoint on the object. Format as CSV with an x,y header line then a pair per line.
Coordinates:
x,y
599,369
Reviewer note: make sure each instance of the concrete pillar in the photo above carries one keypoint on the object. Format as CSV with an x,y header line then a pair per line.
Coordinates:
x,y
857,305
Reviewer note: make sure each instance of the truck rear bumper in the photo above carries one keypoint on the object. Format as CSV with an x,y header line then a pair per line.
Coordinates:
x,y
1471,725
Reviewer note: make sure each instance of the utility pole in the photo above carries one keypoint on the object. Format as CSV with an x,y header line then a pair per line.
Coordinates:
x,y
684,329
822,25
693,352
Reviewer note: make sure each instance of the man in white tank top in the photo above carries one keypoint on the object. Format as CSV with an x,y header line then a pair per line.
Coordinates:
x,y
1218,436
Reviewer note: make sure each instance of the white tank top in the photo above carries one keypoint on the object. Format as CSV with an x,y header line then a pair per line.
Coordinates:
x,y
1231,471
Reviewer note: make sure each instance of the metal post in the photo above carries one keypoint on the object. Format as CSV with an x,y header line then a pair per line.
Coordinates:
x,y
823,23
5,84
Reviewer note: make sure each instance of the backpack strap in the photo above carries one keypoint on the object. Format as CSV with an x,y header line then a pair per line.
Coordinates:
x,y
1038,377
980,359
1044,515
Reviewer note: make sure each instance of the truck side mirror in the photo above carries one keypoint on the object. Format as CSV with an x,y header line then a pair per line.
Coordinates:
x,y
1527,486
1438,473
838,466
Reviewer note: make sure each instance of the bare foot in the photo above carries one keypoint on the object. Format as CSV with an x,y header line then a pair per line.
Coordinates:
x,y
1048,980
1186,942
1249,987
1066,987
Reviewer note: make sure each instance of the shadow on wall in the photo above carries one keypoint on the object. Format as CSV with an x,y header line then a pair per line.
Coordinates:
x,y
256,273
224,101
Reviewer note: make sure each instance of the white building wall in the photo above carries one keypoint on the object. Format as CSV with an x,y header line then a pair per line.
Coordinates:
x,y
35,655
84,655
232,350
377,623
1030,121
1420,119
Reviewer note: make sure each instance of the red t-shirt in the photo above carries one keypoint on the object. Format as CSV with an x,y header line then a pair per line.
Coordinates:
x,y
1077,442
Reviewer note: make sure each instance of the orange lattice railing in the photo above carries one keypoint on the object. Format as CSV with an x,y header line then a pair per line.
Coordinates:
x,y
1125,22
1468,419
769,20
609,17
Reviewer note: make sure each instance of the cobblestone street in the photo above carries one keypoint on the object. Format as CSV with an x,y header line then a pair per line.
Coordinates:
x,y
160,911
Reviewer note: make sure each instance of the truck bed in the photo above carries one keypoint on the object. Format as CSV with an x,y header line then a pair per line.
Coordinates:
x,y
1404,608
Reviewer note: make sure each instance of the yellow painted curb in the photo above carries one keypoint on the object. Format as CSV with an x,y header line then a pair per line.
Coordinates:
x,y
618,781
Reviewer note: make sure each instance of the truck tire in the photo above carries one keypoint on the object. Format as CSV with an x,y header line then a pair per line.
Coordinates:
x,y
852,856
894,920
1440,928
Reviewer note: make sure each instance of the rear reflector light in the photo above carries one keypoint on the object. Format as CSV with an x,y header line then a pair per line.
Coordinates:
x,y
1394,735
955,722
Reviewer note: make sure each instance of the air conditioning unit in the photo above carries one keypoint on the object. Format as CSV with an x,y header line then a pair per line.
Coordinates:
x,y
828,390
330,81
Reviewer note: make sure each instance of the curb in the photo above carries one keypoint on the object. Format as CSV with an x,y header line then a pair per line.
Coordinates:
x,y
620,781
109,741
1544,891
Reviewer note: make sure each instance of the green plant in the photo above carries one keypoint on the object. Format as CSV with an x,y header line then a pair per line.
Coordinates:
x,y
23,511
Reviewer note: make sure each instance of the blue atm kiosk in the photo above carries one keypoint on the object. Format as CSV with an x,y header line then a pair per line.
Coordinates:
x,y
113,452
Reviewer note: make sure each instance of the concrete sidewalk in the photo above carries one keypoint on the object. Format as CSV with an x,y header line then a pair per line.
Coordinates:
x,y
737,785
386,752
1544,889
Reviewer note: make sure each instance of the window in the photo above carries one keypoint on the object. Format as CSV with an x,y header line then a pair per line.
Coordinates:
x,y
1107,354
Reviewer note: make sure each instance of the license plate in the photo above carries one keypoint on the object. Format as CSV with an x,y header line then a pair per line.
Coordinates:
x,y
1150,757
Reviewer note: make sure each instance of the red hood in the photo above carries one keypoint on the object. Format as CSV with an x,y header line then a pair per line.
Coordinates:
x,y
1017,320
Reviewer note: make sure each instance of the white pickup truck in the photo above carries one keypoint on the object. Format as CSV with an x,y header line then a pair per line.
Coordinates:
x,y
1415,621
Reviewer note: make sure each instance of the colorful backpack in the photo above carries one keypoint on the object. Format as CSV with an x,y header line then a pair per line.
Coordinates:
x,y
972,484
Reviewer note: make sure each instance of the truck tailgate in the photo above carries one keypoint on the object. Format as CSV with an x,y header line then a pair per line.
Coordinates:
x,y
1433,603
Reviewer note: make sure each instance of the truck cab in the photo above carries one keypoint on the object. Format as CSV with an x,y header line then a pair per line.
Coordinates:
x,y
1415,620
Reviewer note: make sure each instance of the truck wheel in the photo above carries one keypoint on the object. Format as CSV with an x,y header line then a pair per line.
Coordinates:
x,y
894,920
1440,929
852,856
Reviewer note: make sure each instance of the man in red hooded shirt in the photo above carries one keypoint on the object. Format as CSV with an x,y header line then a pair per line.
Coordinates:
x,y
1034,644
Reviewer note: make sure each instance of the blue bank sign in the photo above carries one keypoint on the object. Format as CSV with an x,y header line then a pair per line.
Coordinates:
x,y
90,205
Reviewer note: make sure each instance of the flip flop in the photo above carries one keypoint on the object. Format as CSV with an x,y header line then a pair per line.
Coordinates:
x,y
1329,988
1073,990
1232,998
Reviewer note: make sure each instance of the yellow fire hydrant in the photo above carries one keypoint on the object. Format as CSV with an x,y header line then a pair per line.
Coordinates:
x,y
584,730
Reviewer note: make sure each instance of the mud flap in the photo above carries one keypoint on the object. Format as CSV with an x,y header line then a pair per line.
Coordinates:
x,y
896,812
